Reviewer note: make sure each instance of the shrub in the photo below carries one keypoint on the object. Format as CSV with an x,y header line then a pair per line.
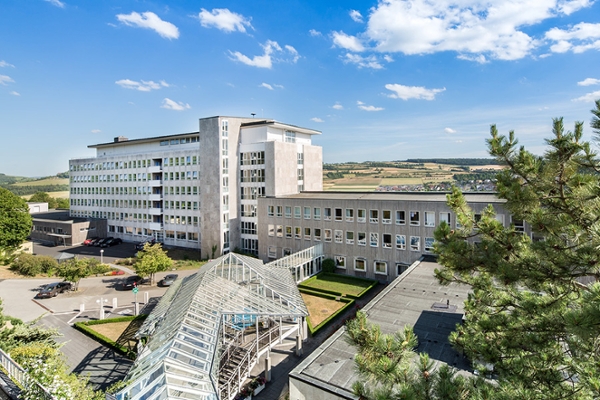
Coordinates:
x,y
47,264
26,264
328,265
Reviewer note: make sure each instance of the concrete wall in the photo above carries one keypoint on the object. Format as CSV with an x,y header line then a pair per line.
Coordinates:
x,y
313,168
281,168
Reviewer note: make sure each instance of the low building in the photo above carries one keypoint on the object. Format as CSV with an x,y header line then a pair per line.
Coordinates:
x,y
368,234
415,299
39,207
59,228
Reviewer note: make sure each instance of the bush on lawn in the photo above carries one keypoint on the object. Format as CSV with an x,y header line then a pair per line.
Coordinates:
x,y
328,265
30,265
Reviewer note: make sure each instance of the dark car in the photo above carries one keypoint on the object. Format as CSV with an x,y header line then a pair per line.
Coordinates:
x,y
100,242
89,242
168,280
111,242
53,289
131,282
140,245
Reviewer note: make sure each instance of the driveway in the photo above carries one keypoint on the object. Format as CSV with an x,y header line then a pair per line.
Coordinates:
x,y
109,254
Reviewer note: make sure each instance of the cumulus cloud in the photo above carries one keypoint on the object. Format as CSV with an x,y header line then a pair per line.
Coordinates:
x,y
348,42
365,107
316,119
356,16
278,86
314,33
56,3
225,20
266,60
449,130
362,62
388,58
338,106
589,82
149,20
266,85
589,97
4,79
5,64
96,131
143,86
412,92
476,30
15,93
579,38
174,105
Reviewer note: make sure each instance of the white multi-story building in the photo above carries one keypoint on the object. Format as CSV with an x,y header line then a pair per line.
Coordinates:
x,y
196,190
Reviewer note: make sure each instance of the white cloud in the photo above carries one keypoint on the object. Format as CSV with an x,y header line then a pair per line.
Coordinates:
x,y
388,58
579,38
173,105
149,20
589,97
362,62
449,130
4,79
496,29
314,33
266,60
96,131
278,86
143,86
5,64
347,42
589,82
56,3
479,58
266,85
225,20
15,93
356,16
364,107
316,119
412,92
338,106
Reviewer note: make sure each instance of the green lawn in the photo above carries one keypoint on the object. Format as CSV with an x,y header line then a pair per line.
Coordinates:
x,y
338,283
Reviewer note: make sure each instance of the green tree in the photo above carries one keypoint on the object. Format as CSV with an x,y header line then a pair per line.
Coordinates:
x,y
73,270
534,310
151,260
63,203
15,223
43,197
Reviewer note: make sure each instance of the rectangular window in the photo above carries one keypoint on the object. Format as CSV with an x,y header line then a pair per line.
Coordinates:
x,y
327,214
415,243
374,216
414,218
288,212
328,235
519,224
429,244
279,211
306,212
297,212
429,218
445,217
349,237
338,236
317,213
349,215
317,233
386,217
380,267
400,242
361,215
272,252
387,240
290,137
297,232
340,262
400,217
271,211
288,231
360,264
362,239
338,214
279,230
307,235
374,239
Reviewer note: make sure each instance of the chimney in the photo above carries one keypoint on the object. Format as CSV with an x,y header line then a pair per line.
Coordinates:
x,y
120,139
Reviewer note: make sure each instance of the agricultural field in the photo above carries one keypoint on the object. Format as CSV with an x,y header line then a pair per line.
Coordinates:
x,y
43,182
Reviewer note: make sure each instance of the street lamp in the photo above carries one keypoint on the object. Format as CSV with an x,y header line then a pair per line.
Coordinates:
x,y
101,256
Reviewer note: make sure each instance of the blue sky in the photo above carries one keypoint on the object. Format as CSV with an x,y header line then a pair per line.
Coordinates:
x,y
383,80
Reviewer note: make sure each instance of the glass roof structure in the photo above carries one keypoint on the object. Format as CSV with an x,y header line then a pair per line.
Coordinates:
x,y
186,329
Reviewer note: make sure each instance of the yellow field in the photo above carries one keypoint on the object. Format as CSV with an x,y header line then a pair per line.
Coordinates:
x,y
49,181
56,195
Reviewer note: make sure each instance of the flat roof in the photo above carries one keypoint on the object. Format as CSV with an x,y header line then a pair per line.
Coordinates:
x,y
416,299
141,140
57,216
280,125
411,196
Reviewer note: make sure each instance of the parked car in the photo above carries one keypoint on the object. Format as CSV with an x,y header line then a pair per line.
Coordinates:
x,y
89,242
94,242
100,242
132,281
111,242
168,280
53,289
140,245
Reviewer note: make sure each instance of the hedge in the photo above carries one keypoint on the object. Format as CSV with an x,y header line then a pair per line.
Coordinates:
x,y
302,286
84,327
329,319
318,294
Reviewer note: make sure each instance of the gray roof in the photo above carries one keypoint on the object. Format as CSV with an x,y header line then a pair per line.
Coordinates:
x,y
57,215
415,299
406,196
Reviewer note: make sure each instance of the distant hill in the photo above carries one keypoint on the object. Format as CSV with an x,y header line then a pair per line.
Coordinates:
x,y
455,161
23,186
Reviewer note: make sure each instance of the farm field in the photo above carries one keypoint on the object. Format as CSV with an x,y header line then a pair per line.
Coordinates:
x,y
43,182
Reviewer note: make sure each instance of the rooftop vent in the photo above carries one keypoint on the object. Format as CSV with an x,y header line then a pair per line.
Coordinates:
x,y
120,139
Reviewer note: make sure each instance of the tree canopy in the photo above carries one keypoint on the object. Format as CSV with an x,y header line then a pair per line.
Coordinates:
x,y
43,197
534,311
151,260
15,222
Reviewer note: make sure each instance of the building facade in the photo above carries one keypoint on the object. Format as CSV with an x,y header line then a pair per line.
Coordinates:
x,y
368,234
196,190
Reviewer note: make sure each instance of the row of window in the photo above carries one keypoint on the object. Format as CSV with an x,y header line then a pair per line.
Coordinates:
x,y
350,238
111,190
181,220
167,176
252,158
108,165
252,175
359,215
177,161
172,142
181,205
